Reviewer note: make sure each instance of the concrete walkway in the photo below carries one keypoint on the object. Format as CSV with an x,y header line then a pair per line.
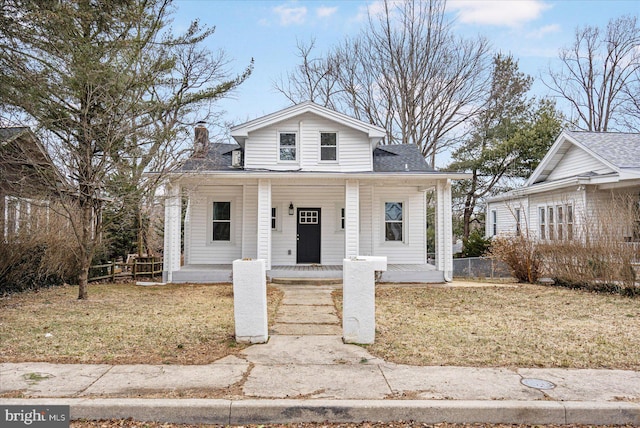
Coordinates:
x,y
306,373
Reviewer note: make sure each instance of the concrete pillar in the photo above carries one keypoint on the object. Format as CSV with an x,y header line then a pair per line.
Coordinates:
x,y
359,305
444,229
172,213
264,222
351,218
250,301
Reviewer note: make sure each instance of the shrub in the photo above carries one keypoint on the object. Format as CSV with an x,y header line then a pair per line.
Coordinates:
x,y
521,254
36,259
476,245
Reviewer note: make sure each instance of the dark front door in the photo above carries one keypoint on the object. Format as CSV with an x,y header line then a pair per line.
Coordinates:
x,y
308,250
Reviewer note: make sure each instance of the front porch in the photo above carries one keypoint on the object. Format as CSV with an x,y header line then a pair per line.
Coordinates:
x,y
223,273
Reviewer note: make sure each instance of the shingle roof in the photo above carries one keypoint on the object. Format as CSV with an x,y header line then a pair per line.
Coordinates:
x,y
399,158
386,158
217,158
620,149
7,133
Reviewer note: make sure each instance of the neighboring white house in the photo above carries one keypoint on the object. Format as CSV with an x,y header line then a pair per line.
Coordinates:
x,y
568,193
303,188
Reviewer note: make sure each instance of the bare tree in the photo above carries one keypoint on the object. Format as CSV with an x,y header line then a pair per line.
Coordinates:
x,y
406,72
312,80
599,76
102,80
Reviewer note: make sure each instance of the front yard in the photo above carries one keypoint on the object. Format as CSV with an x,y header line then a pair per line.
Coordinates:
x,y
513,326
121,324
517,326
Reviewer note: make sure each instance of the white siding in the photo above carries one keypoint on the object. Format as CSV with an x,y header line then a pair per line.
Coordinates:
x,y
366,220
354,150
202,249
250,224
506,216
575,162
413,249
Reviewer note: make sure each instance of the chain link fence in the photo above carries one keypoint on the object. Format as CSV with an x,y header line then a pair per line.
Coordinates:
x,y
480,267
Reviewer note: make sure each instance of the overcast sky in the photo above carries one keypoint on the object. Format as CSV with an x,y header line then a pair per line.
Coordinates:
x,y
532,30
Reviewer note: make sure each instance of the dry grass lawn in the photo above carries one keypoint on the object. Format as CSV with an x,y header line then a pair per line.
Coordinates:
x,y
522,326
122,324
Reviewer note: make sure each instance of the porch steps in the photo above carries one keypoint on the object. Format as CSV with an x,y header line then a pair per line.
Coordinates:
x,y
307,281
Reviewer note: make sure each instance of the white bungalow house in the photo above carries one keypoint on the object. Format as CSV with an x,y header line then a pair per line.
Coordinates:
x,y
581,175
304,188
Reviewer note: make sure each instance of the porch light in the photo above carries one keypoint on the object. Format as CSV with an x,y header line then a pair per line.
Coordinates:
x,y
290,208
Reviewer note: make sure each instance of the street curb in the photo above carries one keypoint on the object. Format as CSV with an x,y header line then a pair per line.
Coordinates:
x,y
238,412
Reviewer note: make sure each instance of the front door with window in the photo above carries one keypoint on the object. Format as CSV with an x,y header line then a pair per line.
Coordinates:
x,y
308,248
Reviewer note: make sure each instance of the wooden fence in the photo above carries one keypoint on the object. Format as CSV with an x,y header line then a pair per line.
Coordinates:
x,y
140,266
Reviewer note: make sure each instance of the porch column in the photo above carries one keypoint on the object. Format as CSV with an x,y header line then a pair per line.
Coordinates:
x,y
351,218
171,256
444,229
264,222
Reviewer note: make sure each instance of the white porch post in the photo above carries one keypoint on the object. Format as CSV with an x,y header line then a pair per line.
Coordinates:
x,y
171,257
351,218
264,222
444,229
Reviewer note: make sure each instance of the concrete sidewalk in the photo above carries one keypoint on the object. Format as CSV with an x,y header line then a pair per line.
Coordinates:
x,y
306,373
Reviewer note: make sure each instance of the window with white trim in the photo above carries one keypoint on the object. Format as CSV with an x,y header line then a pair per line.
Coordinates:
x,y
494,223
221,222
342,218
393,221
287,146
518,229
560,222
569,217
542,222
328,146
551,227
274,218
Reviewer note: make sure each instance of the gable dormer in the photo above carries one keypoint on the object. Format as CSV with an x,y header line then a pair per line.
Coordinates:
x,y
308,137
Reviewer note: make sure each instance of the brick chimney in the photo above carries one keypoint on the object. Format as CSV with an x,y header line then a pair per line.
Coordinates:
x,y
201,140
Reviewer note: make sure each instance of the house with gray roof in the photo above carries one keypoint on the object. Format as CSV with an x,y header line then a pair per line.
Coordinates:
x,y
304,188
583,176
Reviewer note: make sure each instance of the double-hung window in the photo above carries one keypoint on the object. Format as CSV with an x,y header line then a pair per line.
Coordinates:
x,y
518,229
560,222
393,223
569,222
550,220
287,147
542,223
274,218
221,221
494,223
328,146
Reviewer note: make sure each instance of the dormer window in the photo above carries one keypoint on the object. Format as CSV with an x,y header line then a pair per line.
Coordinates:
x,y
287,148
328,146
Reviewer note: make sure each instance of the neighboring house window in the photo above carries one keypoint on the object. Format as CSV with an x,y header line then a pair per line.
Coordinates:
x,y
393,221
542,222
12,217
274,218
222,221
550,219
328,146
494,223
569,222
288,146
518,222
560,222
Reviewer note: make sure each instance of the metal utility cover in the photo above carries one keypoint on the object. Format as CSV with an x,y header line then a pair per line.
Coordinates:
x,y
537,383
